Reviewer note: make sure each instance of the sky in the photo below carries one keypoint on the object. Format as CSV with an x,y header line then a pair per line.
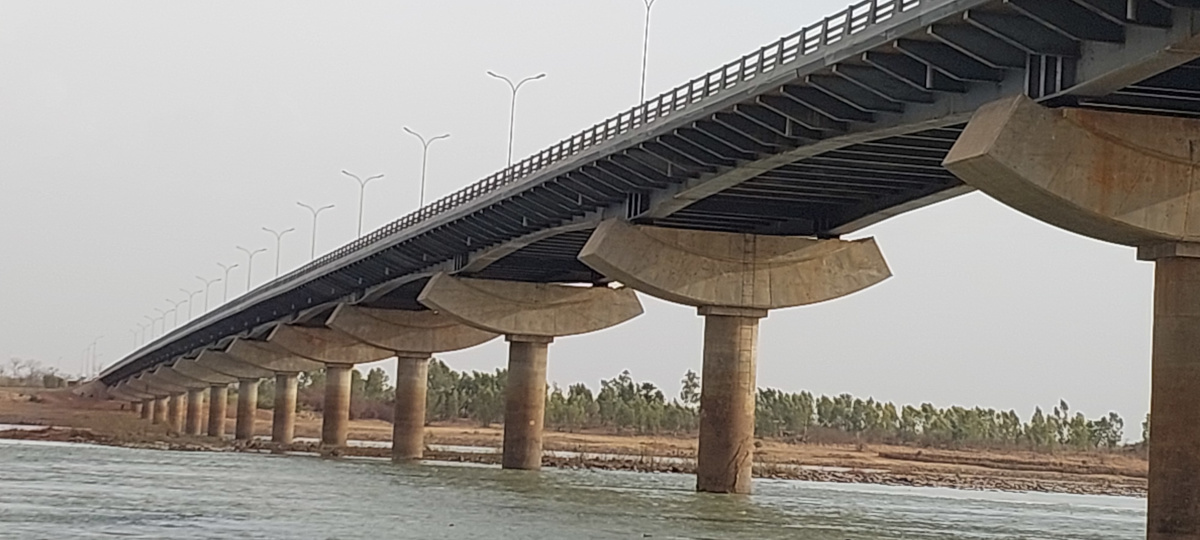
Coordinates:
x,y
142,141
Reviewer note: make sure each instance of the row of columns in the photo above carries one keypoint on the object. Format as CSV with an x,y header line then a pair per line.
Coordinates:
x,y
733,280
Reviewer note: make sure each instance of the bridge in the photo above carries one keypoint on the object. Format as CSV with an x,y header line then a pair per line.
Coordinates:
x,y
732,193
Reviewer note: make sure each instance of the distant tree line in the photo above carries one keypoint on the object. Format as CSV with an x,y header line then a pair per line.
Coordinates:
x,y
30,373
626,406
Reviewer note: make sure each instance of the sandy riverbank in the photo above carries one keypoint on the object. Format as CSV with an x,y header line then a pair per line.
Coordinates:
x,y
84,420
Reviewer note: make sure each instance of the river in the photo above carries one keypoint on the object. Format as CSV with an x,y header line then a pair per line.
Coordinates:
x,y
61,490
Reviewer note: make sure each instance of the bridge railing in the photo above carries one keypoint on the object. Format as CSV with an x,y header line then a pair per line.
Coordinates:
x,y
787,50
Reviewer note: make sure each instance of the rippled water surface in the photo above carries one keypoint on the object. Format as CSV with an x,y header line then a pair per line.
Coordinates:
x,y
52,490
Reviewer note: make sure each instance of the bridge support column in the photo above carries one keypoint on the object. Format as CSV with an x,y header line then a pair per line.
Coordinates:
x,y
335,420
160,410
247,409
136,407
734,280
531,316
727,397
147,410
218,406
408,424
525,402
1133,180
413,337
175,406
283,419
1173,512
195,410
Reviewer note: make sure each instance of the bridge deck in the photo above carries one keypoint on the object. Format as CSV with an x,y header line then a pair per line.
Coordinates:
x,y
835,127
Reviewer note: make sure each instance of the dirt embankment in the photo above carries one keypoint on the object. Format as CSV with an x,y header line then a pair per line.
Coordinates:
x,y
86,420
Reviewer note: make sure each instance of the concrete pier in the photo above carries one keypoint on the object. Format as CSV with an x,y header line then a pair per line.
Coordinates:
x,y
247,408
195,411
336,419
734,280
159,411
531,316
283,421
1129,179
218,404
413,337
136,407
726,451
147,410
408,426
525,402
1173,510
175,406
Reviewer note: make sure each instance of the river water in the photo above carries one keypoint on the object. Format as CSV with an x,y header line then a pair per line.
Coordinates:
x,y
59,490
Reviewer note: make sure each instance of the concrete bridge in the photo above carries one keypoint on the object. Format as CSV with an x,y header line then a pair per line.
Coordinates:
x,y
732,194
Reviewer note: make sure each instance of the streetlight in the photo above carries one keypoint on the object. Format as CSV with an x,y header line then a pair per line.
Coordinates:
x,y
250,263
177,304
645,48
362,190
144,338
151,321
315,212
191,299
207,284
424,156
512,112
93,348
278,244
162,315
226,268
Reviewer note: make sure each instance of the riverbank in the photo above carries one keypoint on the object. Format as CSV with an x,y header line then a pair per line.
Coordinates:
x,y
83,420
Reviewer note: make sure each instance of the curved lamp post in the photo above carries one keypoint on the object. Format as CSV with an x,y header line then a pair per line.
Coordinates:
x,y
424,157
278,244
225,284
208,283
316,212
177,310
512,111
645,48
250,263
362,190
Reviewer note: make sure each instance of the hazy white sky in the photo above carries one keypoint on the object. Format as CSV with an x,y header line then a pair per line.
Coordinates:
x,y
141,141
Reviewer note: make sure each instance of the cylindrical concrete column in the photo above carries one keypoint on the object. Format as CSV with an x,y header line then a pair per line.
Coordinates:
x,y
136,407
283,421
218,403
247,407
725,456
195,411
525,402
147,408
408,426
336,418
175,407
159,411
1173,503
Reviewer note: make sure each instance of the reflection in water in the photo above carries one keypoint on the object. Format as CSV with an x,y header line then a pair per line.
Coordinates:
x,y
52,490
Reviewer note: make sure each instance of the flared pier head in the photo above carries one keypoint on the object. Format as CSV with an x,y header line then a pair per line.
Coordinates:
x,y
530,316
217,385
413,337
734,280
191,402
1130,179
286,368
248,377
339,353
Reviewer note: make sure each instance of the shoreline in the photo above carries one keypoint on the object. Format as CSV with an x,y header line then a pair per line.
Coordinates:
x,y
1099,485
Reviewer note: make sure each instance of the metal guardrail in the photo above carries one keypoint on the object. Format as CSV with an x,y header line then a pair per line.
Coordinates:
x,y
807,41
